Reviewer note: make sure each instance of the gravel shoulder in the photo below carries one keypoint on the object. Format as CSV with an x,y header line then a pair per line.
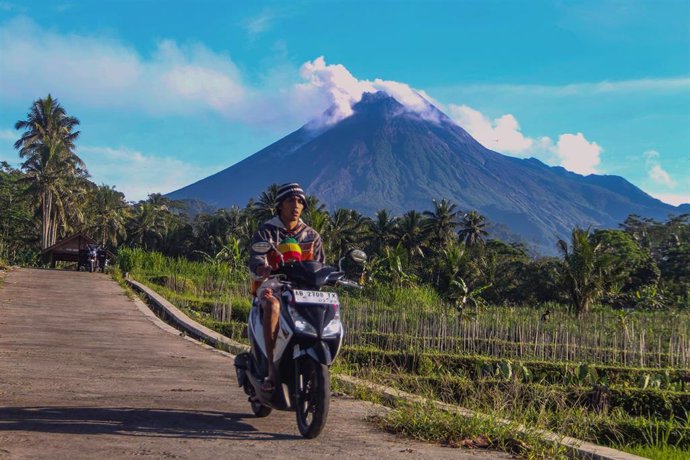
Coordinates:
x,y
84,373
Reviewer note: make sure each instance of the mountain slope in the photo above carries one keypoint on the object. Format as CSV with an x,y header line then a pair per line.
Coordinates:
x,y
386,156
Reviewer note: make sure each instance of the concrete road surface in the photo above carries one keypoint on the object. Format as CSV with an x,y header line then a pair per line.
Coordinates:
x,y
85,372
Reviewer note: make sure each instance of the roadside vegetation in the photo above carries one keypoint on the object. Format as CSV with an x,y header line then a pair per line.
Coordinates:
x,y
602,383
593,344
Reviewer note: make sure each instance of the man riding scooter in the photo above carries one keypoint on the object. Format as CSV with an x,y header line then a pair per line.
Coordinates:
x,y
296,241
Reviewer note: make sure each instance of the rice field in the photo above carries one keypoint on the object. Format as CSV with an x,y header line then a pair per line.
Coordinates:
x,y
616,377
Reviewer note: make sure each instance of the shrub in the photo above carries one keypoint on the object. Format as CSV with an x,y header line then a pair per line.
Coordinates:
x,y
240,308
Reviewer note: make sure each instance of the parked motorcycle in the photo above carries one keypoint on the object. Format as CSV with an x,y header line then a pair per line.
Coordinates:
x,y
309,338
93,259
102,257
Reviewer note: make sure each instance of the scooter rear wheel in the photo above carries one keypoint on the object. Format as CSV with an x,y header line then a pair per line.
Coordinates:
x,y
313,396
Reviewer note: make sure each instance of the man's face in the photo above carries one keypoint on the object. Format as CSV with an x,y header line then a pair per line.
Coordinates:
x,y
291,209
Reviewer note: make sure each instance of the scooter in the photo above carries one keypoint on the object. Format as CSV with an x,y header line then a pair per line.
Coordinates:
x,y
93,260
103,260
310,335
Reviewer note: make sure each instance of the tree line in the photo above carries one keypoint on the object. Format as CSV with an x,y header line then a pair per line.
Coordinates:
x,y
643,264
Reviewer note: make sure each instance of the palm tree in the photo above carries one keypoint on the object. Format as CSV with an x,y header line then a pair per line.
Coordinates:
x,y
472,231
313,203
147,226
442,222
452,259
344,231
242,224
315,214
265,207
584,270
174,235
319,220
110,212
381,231
52,168
212,230
412,232
163,202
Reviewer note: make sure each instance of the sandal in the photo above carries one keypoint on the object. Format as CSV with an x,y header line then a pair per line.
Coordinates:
x,y
267,385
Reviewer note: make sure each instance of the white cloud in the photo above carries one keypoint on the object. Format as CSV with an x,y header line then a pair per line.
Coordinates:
x,y
577,154
340,90
671,198
9,135
658,175
261,23
572,151
335,84
654,170
267,18
103,72
651,156
137,175
7,151
502,134
644,85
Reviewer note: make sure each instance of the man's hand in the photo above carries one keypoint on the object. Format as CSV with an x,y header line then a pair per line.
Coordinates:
x,y
263,271
267,294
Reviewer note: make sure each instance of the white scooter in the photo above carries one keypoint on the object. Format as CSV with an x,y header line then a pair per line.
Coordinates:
x,y
309,338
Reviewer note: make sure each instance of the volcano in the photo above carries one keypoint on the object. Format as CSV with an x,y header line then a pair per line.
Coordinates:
x,y
387,156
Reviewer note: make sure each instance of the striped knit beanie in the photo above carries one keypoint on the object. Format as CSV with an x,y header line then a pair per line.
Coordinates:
x,y
290,250
291,189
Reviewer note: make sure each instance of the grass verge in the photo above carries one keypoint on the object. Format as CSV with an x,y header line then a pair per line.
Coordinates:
x,y
657,452
428,423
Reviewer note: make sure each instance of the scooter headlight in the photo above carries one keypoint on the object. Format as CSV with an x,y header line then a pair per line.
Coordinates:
x,y
334,326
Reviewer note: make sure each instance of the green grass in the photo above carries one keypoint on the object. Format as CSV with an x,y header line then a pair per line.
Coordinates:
x,y
427,423
561,409
119,278
657,453
660,442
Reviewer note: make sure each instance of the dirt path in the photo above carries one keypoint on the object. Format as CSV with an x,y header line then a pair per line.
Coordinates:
x,y
84,373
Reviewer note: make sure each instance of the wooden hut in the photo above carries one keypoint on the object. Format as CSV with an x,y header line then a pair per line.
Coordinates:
x,y
72,249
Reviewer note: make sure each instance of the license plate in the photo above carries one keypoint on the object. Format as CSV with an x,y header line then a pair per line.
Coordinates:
x,y
316,297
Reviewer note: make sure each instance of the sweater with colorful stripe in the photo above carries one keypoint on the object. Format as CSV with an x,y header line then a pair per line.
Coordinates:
x,y
273,231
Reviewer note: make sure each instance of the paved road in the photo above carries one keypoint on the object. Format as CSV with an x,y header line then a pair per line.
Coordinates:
x,y
86,372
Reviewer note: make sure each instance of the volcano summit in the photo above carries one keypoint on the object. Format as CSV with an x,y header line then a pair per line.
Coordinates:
x,y
388,156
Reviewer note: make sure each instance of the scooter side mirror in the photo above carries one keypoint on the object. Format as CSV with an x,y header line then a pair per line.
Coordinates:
x,y
358,256
261,247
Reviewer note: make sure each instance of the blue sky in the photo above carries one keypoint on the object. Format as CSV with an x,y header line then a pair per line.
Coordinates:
x,y
170,92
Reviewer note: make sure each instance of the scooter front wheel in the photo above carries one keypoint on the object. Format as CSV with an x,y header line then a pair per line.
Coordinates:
x,y
313,396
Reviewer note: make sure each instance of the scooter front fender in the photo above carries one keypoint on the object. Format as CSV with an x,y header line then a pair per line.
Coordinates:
x,y
320,352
